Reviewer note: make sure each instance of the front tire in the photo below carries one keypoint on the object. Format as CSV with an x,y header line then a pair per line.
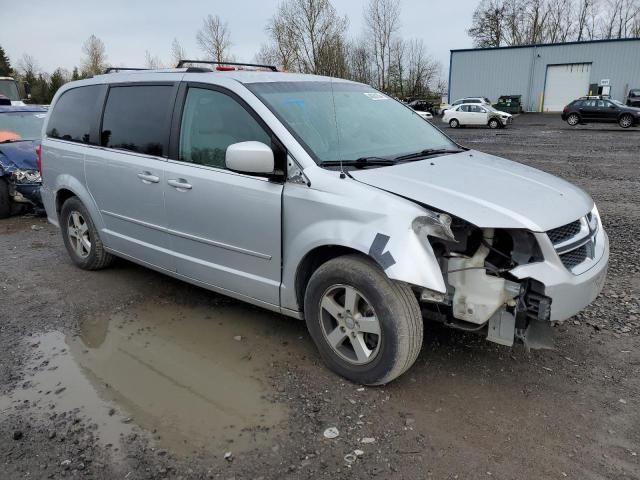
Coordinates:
x,y
453,123
493,124
367,327
573,119
81,237
625,121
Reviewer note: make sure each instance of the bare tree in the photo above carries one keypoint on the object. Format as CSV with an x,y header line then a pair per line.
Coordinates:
x,y
214,38
396,73
521,22
382,18
283,47
28,66
177,52
619,18
488,24
361,61
95,60
585,12
152,61
422,70
308,36
560,21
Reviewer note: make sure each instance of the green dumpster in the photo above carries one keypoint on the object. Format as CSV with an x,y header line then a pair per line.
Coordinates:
x,y
509,103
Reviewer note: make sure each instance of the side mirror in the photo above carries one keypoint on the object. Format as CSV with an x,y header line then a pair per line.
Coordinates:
x,y
249,157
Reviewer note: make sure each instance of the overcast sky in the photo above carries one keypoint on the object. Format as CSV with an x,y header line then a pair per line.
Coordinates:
x,y
54,35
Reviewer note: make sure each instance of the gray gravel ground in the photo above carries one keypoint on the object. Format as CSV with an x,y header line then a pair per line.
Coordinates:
x,y
118,373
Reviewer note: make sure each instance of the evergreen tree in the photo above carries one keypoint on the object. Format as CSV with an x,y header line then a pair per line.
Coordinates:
x,y
57,79
5,64
75,75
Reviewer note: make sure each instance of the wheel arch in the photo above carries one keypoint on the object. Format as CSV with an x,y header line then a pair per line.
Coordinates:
x,y
68,186
629,114
313,260
576,114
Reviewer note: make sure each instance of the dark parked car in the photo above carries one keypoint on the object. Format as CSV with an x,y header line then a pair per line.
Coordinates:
x,y
600,110
421,106
20,133
633,99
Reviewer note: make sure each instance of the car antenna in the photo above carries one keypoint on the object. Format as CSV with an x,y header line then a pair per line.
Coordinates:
x,y
335,117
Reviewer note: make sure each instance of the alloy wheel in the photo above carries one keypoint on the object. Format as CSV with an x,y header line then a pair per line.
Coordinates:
x,y
78,233
626,121
350,324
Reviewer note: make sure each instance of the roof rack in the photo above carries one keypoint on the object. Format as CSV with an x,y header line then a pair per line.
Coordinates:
x,y
222,65
117,69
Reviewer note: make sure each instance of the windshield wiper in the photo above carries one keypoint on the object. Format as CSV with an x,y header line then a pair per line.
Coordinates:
x,y
362,161
427,153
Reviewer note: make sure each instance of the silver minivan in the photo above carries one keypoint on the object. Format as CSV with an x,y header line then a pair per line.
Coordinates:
x,y
322,199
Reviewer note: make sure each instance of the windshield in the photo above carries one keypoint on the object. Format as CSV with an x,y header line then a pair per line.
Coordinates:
x,y
617,102
347,121
16,126
9,89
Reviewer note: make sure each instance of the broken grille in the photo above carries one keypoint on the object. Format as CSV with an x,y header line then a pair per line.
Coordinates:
x,y
561,234
574,257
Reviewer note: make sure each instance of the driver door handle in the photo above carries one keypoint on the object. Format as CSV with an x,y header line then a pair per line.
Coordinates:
x,y
179,184
148,177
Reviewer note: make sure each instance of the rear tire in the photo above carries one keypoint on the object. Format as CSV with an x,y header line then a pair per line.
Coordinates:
x,y
625,121
573,119
493,124
453,123
367,327
81,237
5,199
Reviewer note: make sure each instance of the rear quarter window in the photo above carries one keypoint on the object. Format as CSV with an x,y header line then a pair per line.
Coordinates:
x,y
74,113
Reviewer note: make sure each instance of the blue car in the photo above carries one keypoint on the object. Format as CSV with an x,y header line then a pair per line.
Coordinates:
x,y
20,133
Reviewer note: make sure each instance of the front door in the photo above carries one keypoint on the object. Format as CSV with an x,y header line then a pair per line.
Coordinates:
x,y
125,175
225,227
477,115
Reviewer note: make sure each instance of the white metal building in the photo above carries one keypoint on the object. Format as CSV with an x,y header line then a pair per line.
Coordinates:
x,y
547,76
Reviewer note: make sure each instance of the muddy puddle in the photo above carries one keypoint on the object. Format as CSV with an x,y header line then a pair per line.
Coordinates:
x,y
194,378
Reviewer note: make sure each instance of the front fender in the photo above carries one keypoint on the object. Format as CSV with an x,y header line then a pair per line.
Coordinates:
x,y
346,213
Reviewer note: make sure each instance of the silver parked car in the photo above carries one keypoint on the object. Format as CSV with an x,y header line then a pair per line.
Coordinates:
x,y
322,199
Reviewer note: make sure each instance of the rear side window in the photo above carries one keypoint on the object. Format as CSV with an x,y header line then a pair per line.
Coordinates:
x,y
74,113
136,118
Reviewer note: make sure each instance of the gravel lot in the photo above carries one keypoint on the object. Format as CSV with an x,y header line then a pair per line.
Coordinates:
x,y
125,373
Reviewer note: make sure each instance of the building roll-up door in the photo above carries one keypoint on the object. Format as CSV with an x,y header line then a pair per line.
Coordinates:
x,y
565,83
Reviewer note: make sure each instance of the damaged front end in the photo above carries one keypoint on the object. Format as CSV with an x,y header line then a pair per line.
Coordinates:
x,y
19,172
482,295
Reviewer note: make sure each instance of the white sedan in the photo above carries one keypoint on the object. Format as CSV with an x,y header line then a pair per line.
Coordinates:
x,y
474,114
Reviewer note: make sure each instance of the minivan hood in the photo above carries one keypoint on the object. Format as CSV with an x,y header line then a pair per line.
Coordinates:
x,y
483,189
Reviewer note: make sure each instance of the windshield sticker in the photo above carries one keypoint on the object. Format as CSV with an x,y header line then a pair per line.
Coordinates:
x,y
376,96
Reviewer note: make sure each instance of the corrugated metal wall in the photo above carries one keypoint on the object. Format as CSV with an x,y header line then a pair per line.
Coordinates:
x,y
521,71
